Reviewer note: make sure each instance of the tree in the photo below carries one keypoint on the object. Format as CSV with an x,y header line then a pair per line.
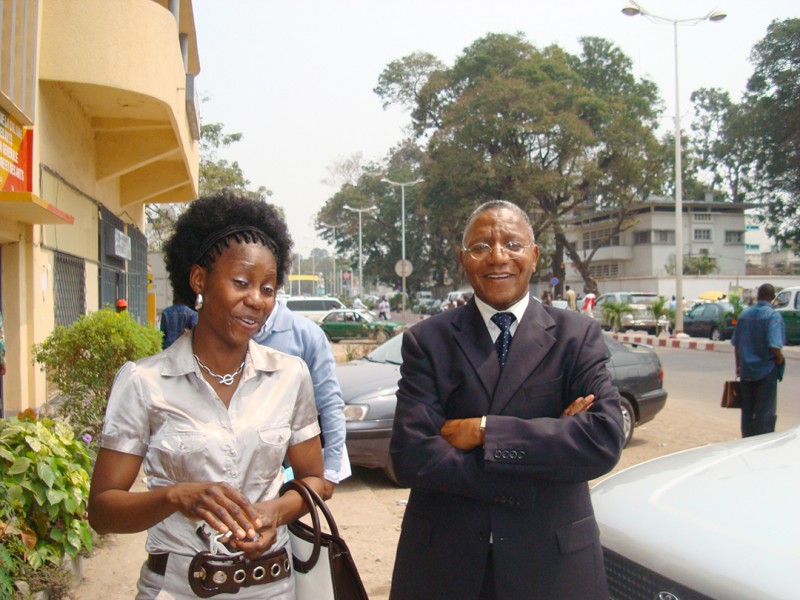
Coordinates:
x,y
774,94
382,229
701,264
551,132
722,142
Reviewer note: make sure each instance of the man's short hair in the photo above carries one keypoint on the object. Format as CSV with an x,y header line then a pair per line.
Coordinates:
x,y
497,205
766,291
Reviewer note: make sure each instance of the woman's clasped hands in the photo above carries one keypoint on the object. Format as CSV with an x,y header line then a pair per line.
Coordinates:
x,y
246,527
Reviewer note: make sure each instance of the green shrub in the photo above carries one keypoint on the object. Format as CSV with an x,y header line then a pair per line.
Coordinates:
x,y
83,359
44,490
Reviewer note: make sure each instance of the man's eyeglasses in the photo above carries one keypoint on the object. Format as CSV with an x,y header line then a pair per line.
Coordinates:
x,y
510,249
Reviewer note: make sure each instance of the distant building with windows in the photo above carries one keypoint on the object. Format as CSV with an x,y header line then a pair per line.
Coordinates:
x,y
647,248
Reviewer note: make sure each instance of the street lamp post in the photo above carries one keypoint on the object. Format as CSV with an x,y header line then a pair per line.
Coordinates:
x,y
402,187
360,261
333,279
633,9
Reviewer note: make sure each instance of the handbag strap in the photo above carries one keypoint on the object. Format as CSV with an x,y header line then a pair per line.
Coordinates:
x,y
308,499
313,502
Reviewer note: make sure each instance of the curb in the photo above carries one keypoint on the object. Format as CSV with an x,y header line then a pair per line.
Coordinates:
x,y
672,342
689,343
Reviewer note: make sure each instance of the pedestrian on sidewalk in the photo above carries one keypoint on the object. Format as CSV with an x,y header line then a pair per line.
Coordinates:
x,y
211,418
572,301
758,340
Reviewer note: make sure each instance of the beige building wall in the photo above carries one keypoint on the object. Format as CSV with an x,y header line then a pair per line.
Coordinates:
x,y
112,127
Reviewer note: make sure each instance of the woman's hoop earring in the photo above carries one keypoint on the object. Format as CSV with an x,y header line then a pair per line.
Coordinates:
x,y
198,303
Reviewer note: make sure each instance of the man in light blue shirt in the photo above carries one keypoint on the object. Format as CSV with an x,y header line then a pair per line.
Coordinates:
x,y
296,335
757,341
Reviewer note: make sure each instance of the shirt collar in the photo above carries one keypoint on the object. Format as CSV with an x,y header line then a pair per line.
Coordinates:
x,y
180,358
487,312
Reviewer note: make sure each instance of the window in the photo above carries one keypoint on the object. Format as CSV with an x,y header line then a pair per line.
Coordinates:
x,y
641,237
752,247
663,236
701,217
702,235
734,237
599,238
604,271
751,227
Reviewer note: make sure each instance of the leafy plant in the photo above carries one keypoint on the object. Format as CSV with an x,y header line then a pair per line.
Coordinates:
x,y
83,359
44,490
612,313
737,304
659,309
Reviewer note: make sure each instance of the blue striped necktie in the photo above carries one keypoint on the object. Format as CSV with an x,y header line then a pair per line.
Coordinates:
x,y
503,320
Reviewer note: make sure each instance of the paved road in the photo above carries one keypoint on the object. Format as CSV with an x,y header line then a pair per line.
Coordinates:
x,y
695,379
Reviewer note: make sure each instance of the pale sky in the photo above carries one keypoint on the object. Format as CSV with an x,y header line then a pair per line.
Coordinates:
x,y
296,76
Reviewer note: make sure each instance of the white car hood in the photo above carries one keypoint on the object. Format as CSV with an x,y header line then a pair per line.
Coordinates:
x,y
722,519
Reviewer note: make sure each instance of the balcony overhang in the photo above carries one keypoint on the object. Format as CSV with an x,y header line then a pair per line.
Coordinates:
x,y
136,141
27,207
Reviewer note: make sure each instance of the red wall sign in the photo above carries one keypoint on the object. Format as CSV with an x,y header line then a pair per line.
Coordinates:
x,y
16,153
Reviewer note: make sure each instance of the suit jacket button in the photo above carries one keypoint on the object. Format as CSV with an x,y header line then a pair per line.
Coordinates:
x,y
505,453
521,454
498,454
512,454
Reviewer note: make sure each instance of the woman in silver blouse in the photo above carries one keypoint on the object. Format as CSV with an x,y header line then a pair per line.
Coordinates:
x,y
211,419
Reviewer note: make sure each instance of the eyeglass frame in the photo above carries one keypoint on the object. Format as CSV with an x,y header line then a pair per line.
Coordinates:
x,y
504,249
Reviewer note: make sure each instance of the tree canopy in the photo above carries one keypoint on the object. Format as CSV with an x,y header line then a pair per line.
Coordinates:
x,y
773,92
554,133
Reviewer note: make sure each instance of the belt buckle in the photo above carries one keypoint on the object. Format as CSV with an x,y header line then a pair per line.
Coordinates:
x,y
210,574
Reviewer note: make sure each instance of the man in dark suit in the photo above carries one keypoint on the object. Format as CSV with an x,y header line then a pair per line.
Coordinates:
x,y
500,423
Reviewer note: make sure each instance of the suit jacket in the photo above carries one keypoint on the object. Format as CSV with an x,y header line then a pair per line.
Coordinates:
x,y
526,488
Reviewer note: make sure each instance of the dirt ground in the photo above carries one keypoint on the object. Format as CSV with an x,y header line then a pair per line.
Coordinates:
x,y
368,509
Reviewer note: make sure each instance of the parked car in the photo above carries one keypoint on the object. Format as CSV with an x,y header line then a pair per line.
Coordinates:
x,y
351,323
787,303
637,316
369,385
719,521
713,320
312,307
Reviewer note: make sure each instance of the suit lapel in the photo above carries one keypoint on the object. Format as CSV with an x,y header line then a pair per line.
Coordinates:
x,y
529,346
473,338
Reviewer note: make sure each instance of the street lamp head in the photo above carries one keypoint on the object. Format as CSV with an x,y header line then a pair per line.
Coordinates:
x,y
631,10
408,183
716,15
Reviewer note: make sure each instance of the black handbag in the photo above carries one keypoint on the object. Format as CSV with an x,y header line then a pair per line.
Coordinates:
x,y
730,394
324,568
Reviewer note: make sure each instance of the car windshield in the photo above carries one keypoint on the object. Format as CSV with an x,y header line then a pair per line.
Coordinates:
x,y
641,299
388,352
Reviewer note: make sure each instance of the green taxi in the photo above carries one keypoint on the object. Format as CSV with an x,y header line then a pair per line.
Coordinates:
x,y
787,304
350,323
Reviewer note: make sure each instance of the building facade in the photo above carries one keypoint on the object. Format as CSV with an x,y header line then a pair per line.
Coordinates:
x,y
100,118
644,251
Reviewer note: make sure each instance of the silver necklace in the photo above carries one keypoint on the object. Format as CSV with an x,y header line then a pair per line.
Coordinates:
x,y
226,379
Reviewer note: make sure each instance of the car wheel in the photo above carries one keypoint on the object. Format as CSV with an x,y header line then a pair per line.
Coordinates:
x,y
715,334
628,419
381,336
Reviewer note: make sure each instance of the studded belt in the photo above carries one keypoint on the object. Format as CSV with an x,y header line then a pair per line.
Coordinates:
x,y
212,574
